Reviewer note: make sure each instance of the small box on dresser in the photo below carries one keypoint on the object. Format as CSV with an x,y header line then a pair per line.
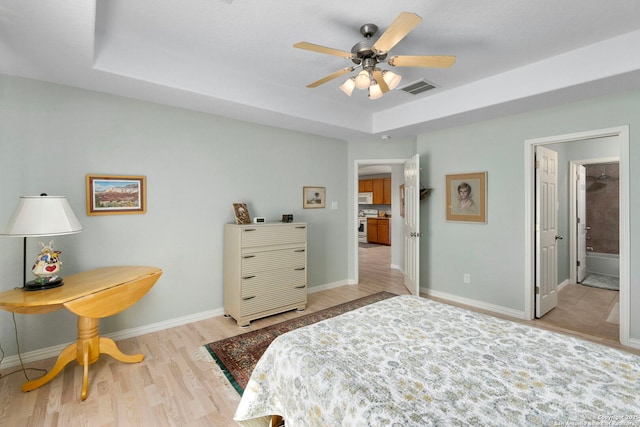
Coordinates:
x,y
265,269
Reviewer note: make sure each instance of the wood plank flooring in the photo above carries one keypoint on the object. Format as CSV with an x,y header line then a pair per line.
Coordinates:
x,y
177,384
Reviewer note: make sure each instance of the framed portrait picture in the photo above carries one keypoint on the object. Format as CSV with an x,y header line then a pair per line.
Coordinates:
x,y
242,213
466,197
313,197
116,194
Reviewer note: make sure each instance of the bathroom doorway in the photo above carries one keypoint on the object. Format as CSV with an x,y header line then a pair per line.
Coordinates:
x,y
591,147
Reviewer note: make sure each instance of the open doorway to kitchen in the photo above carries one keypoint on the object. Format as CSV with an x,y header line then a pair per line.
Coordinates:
x,y
382,245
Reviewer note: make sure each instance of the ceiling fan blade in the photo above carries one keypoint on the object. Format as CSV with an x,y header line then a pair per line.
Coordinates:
x,y
404,23
432,61
323,49
331,77
377,75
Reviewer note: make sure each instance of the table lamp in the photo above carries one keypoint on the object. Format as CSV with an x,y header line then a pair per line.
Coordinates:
x,y
42,216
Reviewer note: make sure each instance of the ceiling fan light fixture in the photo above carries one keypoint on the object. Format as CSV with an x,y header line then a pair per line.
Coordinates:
x,y
348,86
363,80
392,79
374,91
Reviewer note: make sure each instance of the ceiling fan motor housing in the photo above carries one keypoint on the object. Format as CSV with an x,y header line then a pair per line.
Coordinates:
x,y
364,49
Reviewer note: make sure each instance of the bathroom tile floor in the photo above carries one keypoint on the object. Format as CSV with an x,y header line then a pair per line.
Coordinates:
x,y
586,310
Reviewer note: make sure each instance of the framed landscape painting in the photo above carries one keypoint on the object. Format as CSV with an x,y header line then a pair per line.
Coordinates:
x,y
116,194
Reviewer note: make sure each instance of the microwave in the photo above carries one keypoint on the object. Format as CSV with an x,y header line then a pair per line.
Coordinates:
x,y
365,198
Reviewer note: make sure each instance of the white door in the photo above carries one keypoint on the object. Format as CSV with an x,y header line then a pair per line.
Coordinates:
x,y
581,223
546,230
412,225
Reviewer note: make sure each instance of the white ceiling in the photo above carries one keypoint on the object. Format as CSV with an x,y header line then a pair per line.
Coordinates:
x,y
235,57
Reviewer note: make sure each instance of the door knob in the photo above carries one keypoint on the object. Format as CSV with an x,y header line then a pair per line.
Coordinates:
x,y
559,237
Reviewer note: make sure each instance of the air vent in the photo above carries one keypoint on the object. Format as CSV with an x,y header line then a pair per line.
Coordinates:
x,y
418,87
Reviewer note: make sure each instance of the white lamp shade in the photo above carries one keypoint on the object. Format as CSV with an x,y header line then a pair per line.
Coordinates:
x,y
42,216
375,92
347,87
362,80
392,79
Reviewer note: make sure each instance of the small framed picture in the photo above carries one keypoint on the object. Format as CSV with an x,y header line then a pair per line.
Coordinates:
x,y
116,194
466,197
242,213
313,197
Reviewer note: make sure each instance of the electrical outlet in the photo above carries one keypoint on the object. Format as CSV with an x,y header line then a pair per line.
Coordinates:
x,y
467,278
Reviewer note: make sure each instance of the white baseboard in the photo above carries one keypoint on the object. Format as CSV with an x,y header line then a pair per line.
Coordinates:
x,y
54,351
45,353
505,311
330,286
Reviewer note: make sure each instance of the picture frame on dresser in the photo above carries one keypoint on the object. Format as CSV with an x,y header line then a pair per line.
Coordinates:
x,y
116,194
241,211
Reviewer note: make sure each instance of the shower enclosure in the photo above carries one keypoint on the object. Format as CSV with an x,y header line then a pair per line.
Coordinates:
x,y
603,223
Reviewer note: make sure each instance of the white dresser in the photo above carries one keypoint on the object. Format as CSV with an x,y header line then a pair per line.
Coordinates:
x,y
265,269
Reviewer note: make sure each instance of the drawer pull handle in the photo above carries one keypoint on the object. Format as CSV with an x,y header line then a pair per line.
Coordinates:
x,y
248,298
248,277
248,256
301,226
300,287
299,250
300,268
249,229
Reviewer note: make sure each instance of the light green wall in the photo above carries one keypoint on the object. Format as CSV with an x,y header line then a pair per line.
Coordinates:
x,y
196,165
493,254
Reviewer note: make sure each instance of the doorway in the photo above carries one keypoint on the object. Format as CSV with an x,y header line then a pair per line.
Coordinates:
x,y
621,137
395,251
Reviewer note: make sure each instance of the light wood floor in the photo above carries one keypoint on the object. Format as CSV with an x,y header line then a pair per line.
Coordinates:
x,y
177,384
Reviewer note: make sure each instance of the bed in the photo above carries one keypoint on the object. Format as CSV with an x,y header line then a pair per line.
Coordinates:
x,y
410,361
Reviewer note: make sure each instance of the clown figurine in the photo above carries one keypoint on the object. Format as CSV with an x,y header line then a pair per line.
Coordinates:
x,y
47,267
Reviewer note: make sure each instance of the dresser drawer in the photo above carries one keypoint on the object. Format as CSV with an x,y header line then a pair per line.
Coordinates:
x,y
270,235
272,298
273,280
273,260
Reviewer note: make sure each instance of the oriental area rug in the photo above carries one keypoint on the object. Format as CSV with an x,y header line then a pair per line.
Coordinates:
x,y
238,355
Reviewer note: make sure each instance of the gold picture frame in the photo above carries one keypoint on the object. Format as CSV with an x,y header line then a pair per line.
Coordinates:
x,y
242,213
314,197
116,194
466,197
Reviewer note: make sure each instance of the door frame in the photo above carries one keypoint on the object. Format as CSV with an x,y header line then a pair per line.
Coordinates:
x,y
355,179
573,196
622,134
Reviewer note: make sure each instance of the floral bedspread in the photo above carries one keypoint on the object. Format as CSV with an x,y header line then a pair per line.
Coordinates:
x,y
409,361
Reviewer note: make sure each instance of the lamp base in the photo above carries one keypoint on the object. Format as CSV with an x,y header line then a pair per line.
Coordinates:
x,y
35,285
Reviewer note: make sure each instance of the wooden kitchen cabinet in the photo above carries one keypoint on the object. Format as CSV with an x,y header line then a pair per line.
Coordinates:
x,y
365,186
378,191
380,187
384,235
386,191
378,231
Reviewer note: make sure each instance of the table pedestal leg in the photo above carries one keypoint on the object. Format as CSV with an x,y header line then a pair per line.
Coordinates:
x,y
85,351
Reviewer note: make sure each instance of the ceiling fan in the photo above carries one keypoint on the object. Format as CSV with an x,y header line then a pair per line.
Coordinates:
x,y
368,54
